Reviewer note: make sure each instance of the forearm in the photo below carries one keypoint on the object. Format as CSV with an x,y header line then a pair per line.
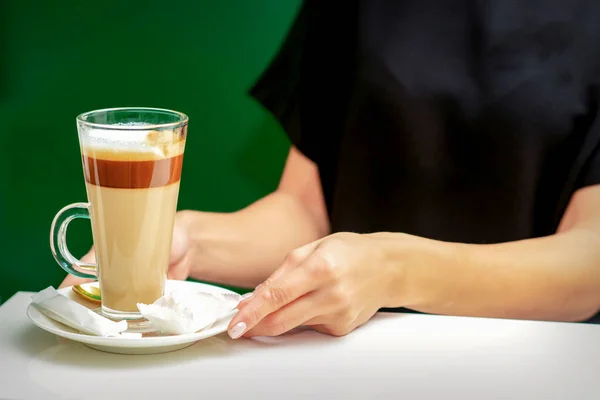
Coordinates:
x,y
243,248
551,278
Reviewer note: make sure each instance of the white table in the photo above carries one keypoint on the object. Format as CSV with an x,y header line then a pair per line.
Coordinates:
x,y
400,356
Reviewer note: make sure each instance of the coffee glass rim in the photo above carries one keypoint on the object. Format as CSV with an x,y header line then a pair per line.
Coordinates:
x,y
183,119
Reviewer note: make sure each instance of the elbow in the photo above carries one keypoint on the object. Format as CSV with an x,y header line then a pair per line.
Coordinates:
x,y
580,311
581,317
584,314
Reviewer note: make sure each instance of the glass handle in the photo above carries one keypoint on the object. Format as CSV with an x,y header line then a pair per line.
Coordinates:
x,y
58,241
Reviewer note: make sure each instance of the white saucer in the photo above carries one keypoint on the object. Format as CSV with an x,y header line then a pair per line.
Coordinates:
x,y
144,345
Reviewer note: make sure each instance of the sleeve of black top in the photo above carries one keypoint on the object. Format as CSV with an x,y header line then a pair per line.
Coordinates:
x,y
278,88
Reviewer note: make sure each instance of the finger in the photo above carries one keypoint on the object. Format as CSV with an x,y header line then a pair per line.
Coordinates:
x,y
334,324
72,280
312,306
179,244
180,270
89,257
178,261
326,330
269,298
340,323
292,260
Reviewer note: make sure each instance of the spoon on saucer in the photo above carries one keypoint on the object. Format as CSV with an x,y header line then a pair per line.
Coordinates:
x,y
89,291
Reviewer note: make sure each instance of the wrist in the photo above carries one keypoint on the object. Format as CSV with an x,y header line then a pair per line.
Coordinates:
x,y
206,233
415,268
392,262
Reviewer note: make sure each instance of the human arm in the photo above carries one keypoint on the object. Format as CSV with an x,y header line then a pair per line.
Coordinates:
x,y
339,282
556,277
243,248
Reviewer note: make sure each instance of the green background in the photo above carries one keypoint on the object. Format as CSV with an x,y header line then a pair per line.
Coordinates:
x,y
58,59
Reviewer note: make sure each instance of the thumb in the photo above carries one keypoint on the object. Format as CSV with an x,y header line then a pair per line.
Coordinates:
x,y
179,248
72,280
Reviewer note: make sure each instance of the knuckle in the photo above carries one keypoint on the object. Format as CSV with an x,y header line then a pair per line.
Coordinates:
x,y
322,267
266,283
293,257
336,330
339,239
347,318
340,296
265,294
254,315
339,324
275,296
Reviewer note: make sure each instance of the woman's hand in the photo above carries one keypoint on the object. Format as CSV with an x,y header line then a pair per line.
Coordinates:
x,y
179,267
333,285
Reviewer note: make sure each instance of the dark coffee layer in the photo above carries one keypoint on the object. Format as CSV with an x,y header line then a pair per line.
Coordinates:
x,y
132,174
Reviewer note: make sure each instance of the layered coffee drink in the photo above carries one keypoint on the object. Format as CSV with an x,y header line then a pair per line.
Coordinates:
x,y
132,182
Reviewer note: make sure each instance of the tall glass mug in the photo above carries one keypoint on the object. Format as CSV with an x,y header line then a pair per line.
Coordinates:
x,y
132,160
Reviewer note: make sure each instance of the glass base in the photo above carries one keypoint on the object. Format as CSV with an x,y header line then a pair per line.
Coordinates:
x,y
120,315
137,325
135,320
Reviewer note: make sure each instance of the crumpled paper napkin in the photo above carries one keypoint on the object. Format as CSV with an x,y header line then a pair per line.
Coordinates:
x,y
181,313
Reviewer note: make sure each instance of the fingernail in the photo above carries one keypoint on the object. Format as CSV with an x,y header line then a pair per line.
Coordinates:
x,y
237,330
247,295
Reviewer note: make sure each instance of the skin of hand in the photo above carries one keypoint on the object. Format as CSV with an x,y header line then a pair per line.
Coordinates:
x,y
337,283
332,285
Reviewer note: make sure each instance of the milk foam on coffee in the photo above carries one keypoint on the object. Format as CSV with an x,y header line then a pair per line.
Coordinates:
x,y
144,142
132,181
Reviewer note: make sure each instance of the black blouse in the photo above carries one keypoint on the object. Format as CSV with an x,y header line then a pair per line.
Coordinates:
x,y
464,120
